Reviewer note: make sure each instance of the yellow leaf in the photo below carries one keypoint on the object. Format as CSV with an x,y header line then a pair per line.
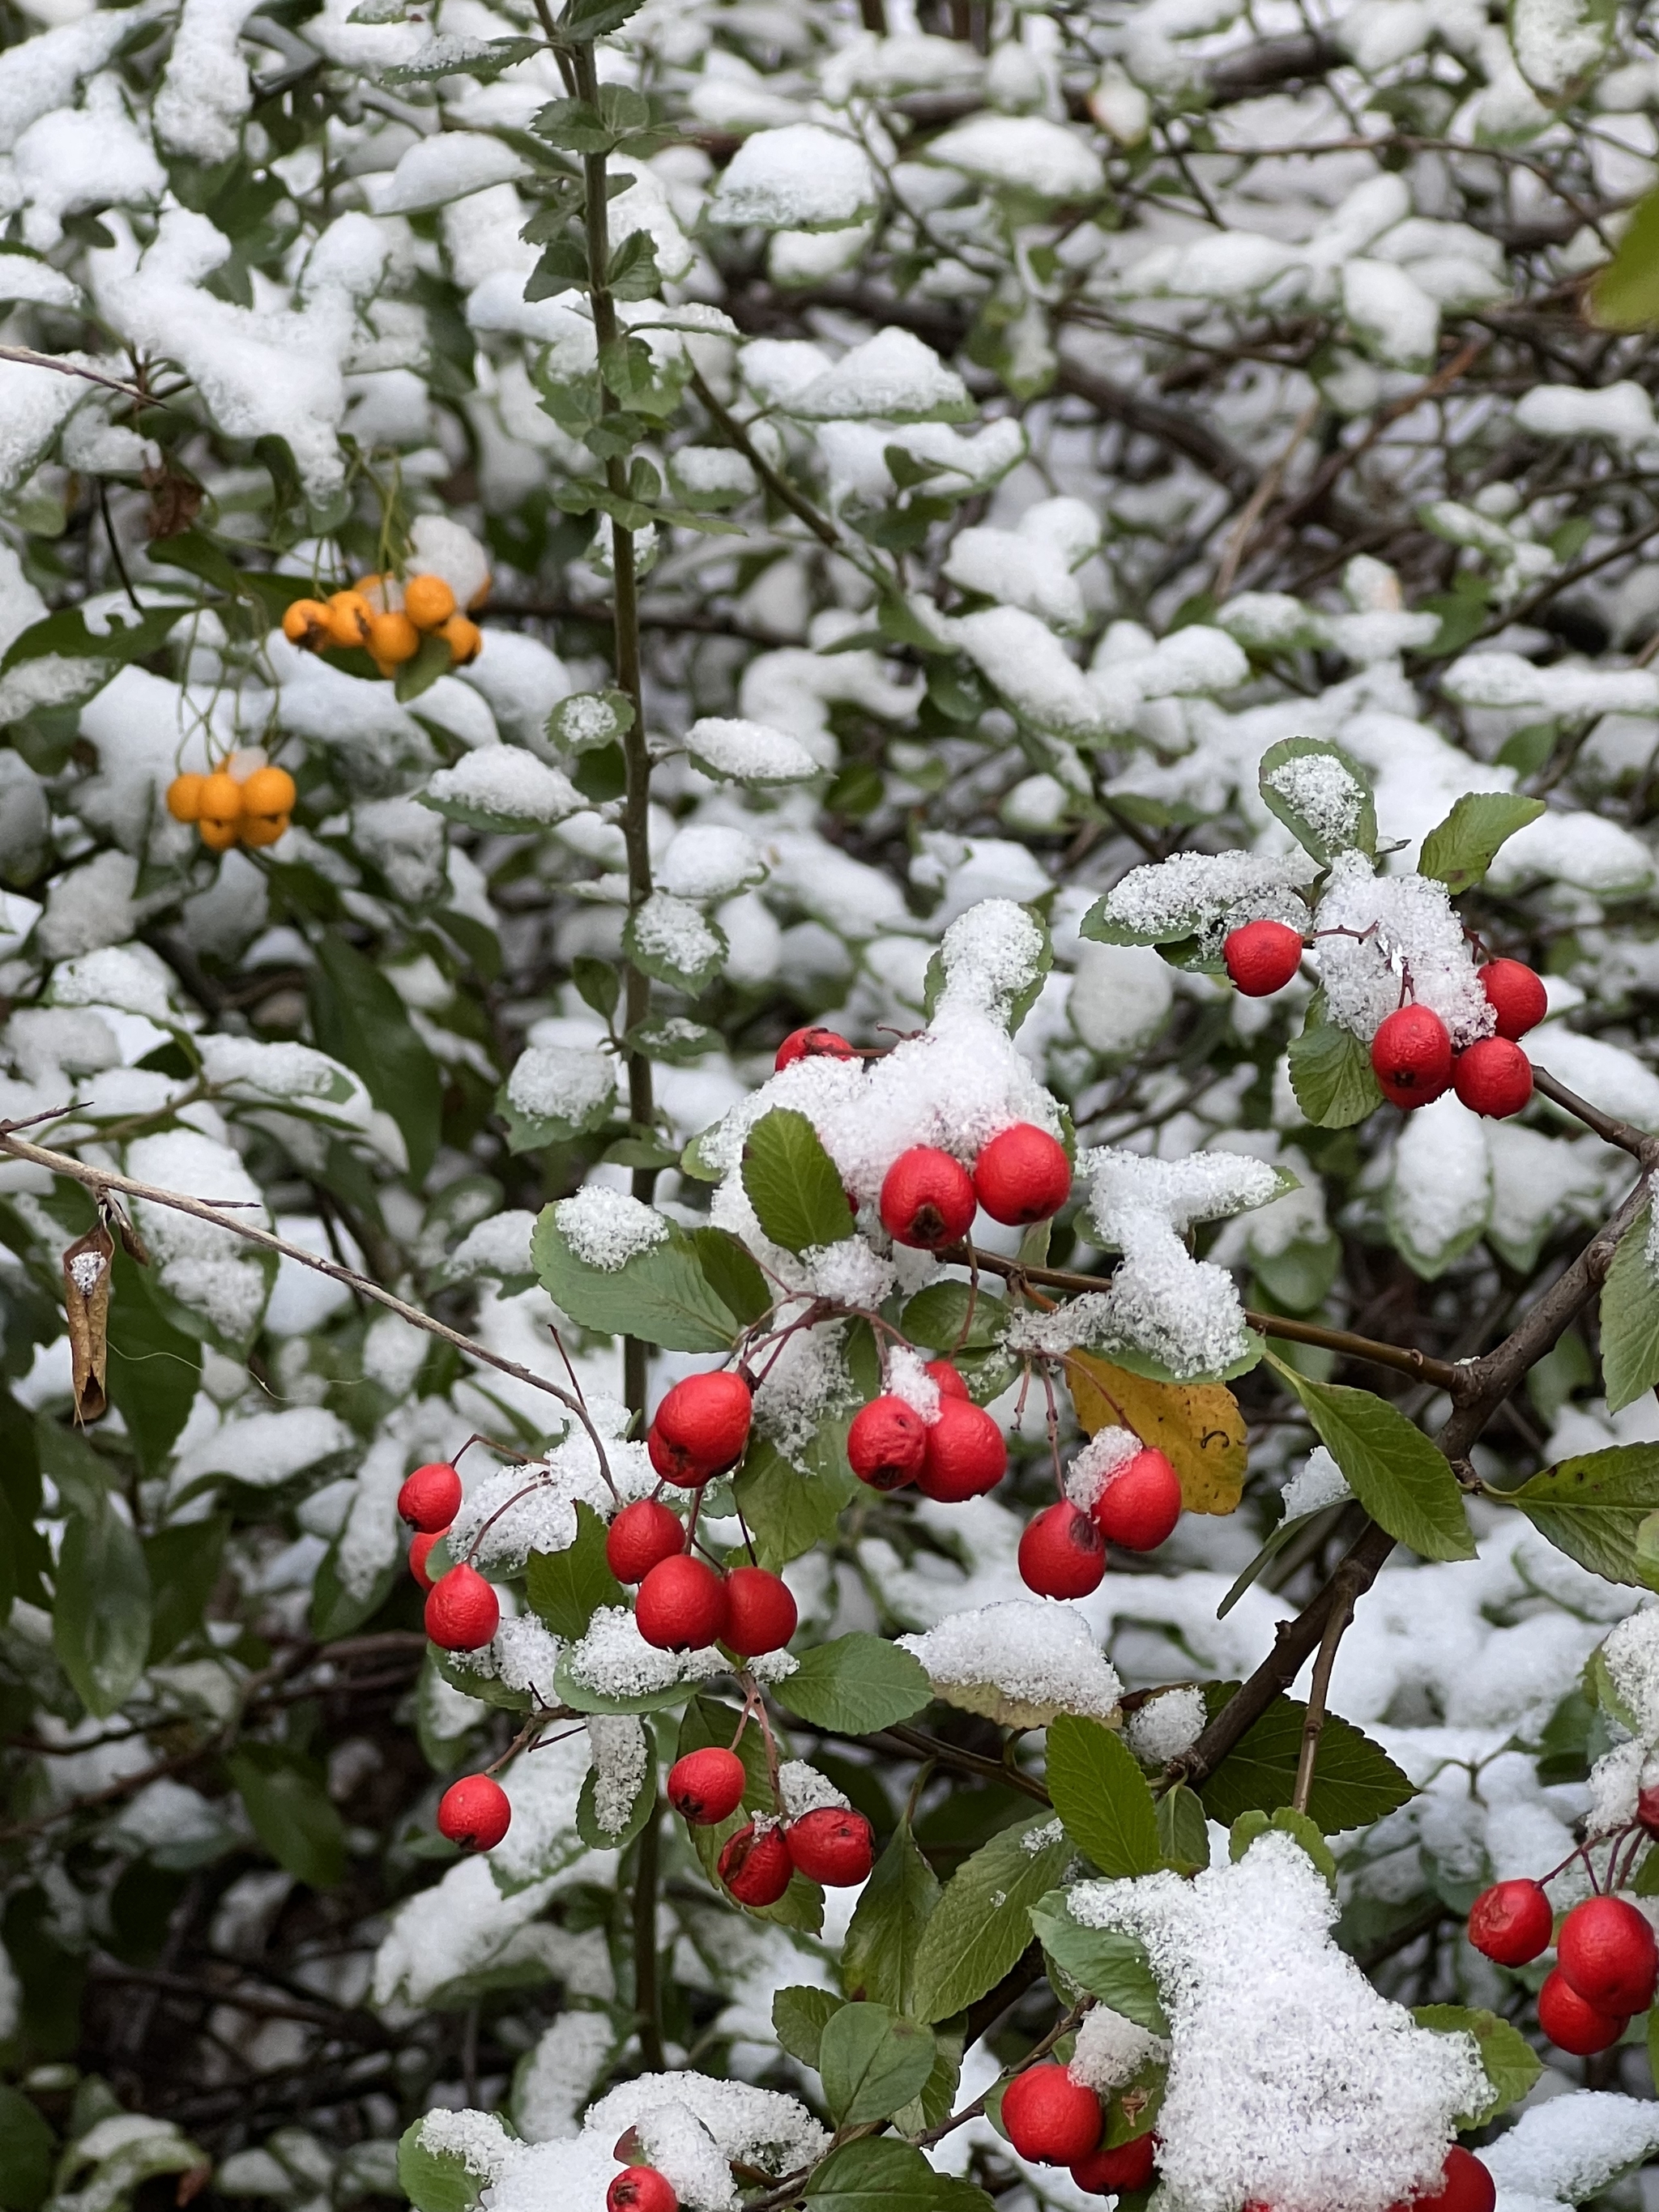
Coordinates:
x,y
1197,1425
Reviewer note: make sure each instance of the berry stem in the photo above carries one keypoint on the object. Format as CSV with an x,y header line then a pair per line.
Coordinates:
x,y
1313,1727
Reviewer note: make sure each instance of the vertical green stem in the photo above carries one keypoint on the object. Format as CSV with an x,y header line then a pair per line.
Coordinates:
x,y
647,2002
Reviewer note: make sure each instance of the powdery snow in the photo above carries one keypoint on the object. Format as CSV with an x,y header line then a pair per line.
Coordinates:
x,y
1408,942
1019,1663
606,1229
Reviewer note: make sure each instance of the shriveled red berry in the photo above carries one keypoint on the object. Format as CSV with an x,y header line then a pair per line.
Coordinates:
x,y
1571,2023
1647,1807
928,1199
641,1534
1493,1078
1262,956
641,2189
812,1043
760,1612
430,1497
886,1443
706,1785
701,1429
462,1610
1062,1553
1465,2186
1140,1504
1511,1922
832,1845
1607,1953
1023,1175
1111,2172
1411,1056
421,1548
1515,994
1048,2117
756,1866
965,1456
681,1605
951,1384
475,1813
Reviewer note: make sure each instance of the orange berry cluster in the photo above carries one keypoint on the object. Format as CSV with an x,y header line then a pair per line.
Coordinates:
x,y
387,620
226,812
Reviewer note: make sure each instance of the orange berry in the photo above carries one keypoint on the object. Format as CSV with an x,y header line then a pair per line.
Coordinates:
x,y
263,829
463,638
220,799
184,797
306,623
481,594
393,638
269,791
428,601
218,836
348,616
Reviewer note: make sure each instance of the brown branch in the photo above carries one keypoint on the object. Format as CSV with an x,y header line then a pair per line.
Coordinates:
x,y
356,2026
1608,1126
779,486
1344,1591
26,357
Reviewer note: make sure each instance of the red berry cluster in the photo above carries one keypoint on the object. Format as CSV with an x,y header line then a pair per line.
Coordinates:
x,y
1053,2120
959,1454
1062,1552
831,1844
1606,1964
1414,1061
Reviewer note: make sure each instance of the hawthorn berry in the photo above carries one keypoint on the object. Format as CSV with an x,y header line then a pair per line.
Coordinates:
x,y
1021,1176
1465,2186
1647,1807
756,1866
681,1605
1110,2173
641,2189
812,1043
706,1785
965,1453
928,1199
1140,1504
1262,956
701,1429
951,1384
1606,1953
832,1845
760,1612
420,1546
1493,1078
475,1813
1571,2023
429,601
1062,1553
462,1611
1411,1056
1049,2118
1512,1923
886,1443
641,1534
1515,994
430,1497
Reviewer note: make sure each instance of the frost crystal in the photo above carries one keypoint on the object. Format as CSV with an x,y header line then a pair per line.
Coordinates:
x,y
1324,793
1111,2050
1019,1663
1317,1483
621,1753
1107,1453
607,1229
1631,1656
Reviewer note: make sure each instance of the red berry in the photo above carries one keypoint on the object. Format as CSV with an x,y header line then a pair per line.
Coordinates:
x,y
928,1199
420,1551
1062,1553
756,1866
760,1613
951,1384
463,1611
701,1429
475,1813
832,1845
1647,1807
1109,2172
1512,1923
1023,1175
1493,1078
1573,2025
813,1044
705,1786
641,1534
1465,2186
1411,1056
965,1456
681,1605
430,1497
1606,1953
1140,1504
1516,995
1048,2117
641,2189
886,1443
1262,956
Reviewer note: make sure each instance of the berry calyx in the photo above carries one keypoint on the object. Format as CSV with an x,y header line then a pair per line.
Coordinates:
x,y
812,1043
641,2189
430,1497
760,1612
1021,1176
1512,1923
1140,1504
832,1845
475,1813
1062,1553
681,1606
1606,1953
951,1384
1465,2186
1262,956
1110,2173
706,1786
700,1428
463,1611
886,1443
420,1550
641,1535
1493,1078
965,1453
1049,2118
1411,1056
928,1199
756,1866
1515,994
1573,2025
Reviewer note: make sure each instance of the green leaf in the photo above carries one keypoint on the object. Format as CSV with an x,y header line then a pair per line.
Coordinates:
x,y
982,1924
338,1608
183,1566
435,2181
359,1018
432,658
1592,1508
583,20
856,1685
101,1615
1184,1835
1625,295
1101,1796
153,1367
662,1294
634,274
792,1183
1405,1485
730,1269
291,1812
1331,1072
567,1588
1630,1318
1288,1821
872,2062
799,2016
28,2149
1461,849
947,1316
501,54
1327,804
1355,1781
790,1510
670,938
1511,2064
1111,1966
589,720
878,1957
875,2174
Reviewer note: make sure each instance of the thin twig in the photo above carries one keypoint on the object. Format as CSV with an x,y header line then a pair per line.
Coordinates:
x,y
1346,1582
